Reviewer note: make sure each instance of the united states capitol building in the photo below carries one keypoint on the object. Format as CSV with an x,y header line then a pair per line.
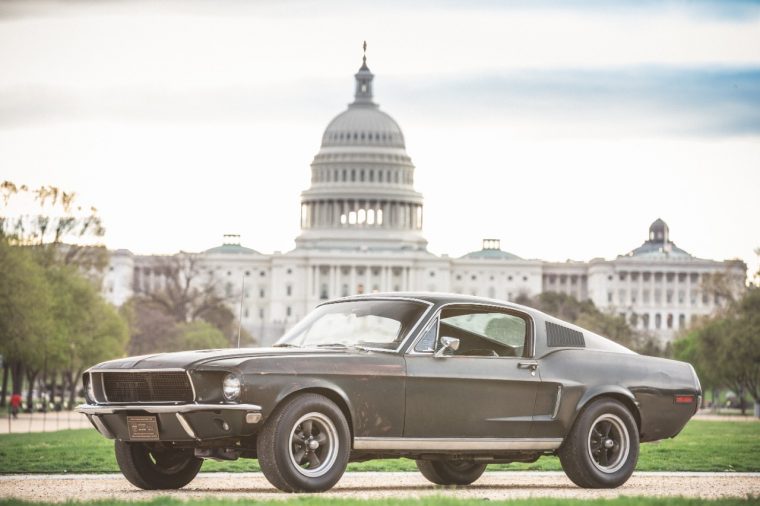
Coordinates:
x,y
362,231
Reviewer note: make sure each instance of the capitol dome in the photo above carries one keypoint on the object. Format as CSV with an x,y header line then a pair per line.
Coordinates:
x,y
362,193
363,125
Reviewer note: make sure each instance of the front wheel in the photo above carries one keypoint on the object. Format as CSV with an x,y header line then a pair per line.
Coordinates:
x,y
450,472
602,448
304,446
156,467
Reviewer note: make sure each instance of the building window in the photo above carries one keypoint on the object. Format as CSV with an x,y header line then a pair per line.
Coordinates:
x,y
344,291
609,297
323,295
681,321
670,321
288,311
645,321
657,321
288,290
261,313
261,293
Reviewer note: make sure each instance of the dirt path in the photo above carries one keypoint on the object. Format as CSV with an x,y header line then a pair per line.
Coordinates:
x,y
43,422
493,485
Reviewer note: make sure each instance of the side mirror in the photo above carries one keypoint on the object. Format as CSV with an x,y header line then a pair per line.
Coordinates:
x,y
447,343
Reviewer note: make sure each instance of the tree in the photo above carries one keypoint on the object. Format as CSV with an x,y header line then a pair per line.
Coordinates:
x,y
63,231
150,327
88,330
187,293
198,335
725,349
585,314
25,303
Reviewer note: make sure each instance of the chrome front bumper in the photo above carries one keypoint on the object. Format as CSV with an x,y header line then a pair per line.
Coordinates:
x,y
97,412
100,409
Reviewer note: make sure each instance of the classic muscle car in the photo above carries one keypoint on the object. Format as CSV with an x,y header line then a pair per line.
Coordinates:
x,y
453,382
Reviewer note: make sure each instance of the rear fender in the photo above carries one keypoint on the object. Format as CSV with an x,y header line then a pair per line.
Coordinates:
x,y
614,392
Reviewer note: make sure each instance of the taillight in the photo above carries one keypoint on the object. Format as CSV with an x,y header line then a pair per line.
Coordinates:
x,y
683,399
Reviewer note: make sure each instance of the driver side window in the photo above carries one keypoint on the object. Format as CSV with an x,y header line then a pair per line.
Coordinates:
x,y
485,331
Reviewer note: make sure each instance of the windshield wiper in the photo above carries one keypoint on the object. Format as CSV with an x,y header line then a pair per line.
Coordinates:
x,y
342,346
285,345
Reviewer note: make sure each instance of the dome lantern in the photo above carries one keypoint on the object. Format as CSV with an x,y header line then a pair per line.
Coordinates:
x,y
364,77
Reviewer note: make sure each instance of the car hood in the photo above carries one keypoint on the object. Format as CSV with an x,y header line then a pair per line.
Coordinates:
x,y
191,359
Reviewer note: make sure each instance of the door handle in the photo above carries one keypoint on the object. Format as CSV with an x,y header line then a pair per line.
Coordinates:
x,y
528,364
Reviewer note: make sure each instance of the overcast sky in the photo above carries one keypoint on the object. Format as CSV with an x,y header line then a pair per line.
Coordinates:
x,y
563,128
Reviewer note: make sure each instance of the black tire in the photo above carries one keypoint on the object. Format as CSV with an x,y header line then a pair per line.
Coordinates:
x,y
602,448
305,445
155,468
451,472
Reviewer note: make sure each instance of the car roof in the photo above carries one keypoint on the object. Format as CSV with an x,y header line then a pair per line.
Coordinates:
x,y
440,298
594,340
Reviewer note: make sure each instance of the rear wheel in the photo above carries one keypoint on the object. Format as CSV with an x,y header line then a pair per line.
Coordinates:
x,y
450,472
156,467
304,446
602,448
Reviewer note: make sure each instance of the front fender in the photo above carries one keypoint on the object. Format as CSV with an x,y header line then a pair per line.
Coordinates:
x,y
278,392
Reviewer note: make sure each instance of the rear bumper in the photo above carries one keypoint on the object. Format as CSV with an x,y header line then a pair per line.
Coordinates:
x,y
177,422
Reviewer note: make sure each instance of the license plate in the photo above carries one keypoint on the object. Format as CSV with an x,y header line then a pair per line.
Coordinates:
x,y
143,428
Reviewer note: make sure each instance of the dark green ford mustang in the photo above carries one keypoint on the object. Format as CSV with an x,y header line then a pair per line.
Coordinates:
x,y
451,381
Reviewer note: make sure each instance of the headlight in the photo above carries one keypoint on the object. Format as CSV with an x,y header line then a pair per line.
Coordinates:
x,y
231,387
90,389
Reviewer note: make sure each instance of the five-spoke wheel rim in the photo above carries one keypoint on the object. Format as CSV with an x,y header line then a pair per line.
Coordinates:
x,y
608,443
313,444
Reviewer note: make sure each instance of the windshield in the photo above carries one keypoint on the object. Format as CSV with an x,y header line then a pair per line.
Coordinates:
x,y
363,323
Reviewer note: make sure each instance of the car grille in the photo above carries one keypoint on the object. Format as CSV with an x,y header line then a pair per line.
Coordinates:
x,y
147,387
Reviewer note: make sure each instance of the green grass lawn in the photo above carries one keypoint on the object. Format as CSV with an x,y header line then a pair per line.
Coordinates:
x,y
428,501
702,446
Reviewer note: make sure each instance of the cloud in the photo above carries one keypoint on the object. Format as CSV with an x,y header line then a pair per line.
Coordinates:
x,y
641,101
634,100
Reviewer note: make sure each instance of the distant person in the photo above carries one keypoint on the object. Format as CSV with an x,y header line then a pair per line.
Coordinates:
x,y
15,404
